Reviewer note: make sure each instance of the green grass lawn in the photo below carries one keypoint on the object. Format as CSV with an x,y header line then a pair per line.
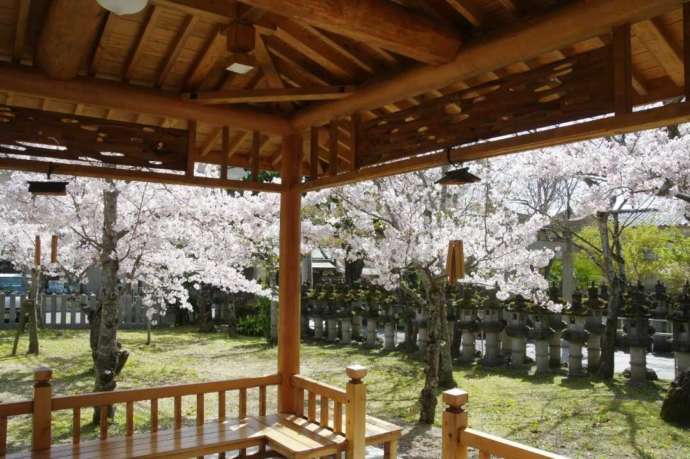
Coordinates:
x,y
579,418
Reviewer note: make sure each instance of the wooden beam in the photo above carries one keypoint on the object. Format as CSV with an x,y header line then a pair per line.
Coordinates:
x,y
176,48
210,142
333,148
615,125
22,24
289,274
314,154
141,42
266,95
191,147
622,70
205,62
67,34
686,49
135,99
225,152
44,167
378,22
655,40
265,61
255,155
558,29
468,10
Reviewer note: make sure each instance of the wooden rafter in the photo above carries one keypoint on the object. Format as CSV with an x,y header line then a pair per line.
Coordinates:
x,y
468,10
135,99
266,95
401,31
67,34
215,47
141,42
560,28
23,7
653,37
176,48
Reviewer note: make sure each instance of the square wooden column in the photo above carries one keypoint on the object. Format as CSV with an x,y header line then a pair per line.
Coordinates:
x,y
289,282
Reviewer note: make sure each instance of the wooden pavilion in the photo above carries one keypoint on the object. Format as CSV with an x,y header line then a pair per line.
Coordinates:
x,y
325,92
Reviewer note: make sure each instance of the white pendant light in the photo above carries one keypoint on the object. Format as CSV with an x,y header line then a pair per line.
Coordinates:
x,y
121,7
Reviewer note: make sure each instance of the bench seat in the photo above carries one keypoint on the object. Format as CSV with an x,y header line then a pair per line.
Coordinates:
x,y
289,435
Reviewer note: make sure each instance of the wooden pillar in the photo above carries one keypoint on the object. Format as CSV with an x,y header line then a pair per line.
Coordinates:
x,y
289,280
355,430
454,422
42,410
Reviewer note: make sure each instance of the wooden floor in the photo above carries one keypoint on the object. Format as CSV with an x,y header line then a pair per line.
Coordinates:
x,y
288,435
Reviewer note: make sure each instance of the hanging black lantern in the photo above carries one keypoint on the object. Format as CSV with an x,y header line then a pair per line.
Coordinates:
x,y
461,176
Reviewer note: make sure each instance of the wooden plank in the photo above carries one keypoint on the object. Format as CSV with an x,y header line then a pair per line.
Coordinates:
x,y
103,422
154,415
225,142
338,417
3,435
262,400
135,99
658,43
403,32
311,406
76,426
176,48
333,149
501,447
311,385
268,95
557,29
314,154
178,411
69,29
206,61
686,49
632,122
22,24
323,411
141,42
199,409
622,70
210,141
255,155
191,147
468,10
242,404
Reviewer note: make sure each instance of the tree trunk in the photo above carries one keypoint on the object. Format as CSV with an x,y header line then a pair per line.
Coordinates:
x,y
109,359
608,342
205,322
568,285
445,376
427,398
232,319
148,331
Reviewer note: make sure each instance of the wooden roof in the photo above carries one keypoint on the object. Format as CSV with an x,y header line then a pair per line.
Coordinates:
x,y
364,82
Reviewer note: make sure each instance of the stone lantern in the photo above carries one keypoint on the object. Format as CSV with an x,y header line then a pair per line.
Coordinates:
x,y
681,331
491,325
468,325
372,315
390,319
358,307
557,325
636,309
333,312
541,333
308,296
422,333
576,334
595,306
517,330
320,309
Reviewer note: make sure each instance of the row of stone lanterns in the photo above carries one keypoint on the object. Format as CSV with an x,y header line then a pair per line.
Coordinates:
x,y
356,315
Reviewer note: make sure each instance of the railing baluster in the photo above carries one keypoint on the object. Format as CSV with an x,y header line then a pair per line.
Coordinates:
x,y
154,415
311,407
324,411
221,405
103,412
338,417
262,400
3,430
300,402
199,409
178,412
130,418
243,404
76,426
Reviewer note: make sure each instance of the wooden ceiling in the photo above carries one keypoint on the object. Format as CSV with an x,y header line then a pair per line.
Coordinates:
x,y
310,57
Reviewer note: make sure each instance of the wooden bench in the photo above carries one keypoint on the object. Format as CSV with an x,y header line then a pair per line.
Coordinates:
x,y
344,428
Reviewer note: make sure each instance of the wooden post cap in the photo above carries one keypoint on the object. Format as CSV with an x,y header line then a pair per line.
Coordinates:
x,y
356,372
455,397
43,374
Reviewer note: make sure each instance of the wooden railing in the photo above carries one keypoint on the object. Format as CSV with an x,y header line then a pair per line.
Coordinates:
x,y
43,404
350,402
457,437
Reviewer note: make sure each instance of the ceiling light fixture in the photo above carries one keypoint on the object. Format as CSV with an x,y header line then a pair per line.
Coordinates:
x,y
121,7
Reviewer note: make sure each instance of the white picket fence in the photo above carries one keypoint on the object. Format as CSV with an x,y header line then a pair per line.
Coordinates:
x,y
70,311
